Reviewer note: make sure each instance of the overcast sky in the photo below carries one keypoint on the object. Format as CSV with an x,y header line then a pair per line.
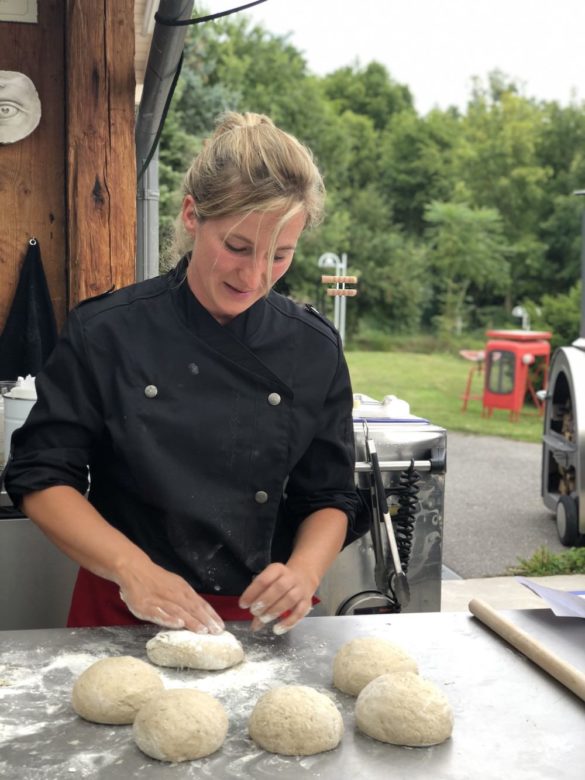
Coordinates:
x,y
435,47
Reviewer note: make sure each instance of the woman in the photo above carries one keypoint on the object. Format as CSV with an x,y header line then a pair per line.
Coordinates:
x,y
214,415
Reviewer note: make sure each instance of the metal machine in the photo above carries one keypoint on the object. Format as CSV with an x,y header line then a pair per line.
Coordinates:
x,y
366,578
563,456
563,447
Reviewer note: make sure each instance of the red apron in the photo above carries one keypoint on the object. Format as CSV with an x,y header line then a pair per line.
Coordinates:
x,y
96,602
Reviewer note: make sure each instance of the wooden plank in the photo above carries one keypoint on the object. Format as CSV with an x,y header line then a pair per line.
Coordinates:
x,y
332,292
339,279
101,189
32,171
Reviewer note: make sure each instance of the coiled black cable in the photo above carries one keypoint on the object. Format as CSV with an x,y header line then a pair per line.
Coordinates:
x,y
407,493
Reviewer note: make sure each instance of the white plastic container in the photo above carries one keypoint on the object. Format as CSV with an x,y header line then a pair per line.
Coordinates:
x,y
17,405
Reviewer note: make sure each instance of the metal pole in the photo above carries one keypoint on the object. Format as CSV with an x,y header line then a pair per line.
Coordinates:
x,y
164,56
163,59
337,307
343,299
330,260
147,211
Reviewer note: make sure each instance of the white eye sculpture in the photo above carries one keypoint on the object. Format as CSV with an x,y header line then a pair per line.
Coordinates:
x,y
20,106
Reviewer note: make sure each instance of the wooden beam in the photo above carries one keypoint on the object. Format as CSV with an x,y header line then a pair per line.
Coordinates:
x,y
101,187
32,170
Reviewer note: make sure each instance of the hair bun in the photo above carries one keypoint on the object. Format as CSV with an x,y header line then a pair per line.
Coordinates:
x,y
233,120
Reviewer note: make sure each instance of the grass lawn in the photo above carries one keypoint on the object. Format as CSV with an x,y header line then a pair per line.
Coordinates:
x,y
433,385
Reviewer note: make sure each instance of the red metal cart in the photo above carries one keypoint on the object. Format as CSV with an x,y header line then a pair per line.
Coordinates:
x,y
516,365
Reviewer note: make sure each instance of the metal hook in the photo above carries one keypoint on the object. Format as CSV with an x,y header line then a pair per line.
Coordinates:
x,y
33,242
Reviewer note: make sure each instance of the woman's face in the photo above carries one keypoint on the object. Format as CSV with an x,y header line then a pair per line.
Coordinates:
x,y
228,271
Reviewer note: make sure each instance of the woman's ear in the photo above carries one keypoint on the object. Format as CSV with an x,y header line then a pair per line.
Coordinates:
x,y
189,215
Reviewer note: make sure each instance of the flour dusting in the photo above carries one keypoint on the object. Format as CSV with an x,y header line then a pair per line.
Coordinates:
x,y
41,737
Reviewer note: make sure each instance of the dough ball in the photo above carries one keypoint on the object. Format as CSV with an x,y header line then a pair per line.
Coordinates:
x,y
181,724
187,650
295,720
404,709
113,690
363,659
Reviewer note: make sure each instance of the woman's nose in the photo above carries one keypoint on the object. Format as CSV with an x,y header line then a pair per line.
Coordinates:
x,y
253,273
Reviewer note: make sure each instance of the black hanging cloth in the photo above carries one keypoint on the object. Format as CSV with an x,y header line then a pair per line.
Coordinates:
x,y
30,332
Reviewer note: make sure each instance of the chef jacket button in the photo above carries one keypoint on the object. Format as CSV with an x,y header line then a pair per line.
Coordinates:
x,y
274,399
151,391
261,497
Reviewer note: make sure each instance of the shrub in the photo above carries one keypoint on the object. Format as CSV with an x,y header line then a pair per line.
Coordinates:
x,y
560,314
545,563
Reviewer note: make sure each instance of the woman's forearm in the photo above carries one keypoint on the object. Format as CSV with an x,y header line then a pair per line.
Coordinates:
x,y
150,591
318,542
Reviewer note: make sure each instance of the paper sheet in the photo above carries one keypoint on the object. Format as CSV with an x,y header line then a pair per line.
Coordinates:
x,y
563,603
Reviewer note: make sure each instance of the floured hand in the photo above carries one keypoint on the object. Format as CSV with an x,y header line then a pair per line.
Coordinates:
x,y
154,594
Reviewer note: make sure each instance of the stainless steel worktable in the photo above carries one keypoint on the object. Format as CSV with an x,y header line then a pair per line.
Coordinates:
x,y
511,719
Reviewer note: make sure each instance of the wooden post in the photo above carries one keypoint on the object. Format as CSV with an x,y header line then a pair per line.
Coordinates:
x,y
101,183
32,170
72,182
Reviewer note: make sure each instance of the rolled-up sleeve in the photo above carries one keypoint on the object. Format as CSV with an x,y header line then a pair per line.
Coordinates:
x,y
324,476
53,446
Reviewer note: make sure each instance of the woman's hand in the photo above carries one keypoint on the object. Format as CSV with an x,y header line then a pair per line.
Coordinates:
x,y
286,590
155,594
280,588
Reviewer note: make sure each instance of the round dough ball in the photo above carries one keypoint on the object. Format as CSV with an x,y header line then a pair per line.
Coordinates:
x,y
113,690
363,659
180,725
295,720
187,650
404,709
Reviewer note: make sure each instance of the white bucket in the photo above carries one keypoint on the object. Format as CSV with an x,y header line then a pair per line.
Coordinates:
x,y
16,410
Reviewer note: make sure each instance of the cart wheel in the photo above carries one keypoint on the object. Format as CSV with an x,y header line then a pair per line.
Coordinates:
x,y
567,518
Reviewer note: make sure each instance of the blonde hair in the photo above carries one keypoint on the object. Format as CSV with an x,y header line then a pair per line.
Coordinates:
x,y
250,165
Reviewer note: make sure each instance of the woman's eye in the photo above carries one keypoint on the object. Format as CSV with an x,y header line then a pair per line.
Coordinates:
x,y
236,249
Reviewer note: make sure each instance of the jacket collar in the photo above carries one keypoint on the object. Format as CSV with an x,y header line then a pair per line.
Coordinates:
x,y
232,341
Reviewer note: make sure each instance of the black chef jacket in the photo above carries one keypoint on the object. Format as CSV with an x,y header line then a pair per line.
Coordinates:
x,y
207,445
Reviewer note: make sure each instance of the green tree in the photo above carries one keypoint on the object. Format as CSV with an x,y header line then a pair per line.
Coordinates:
x,y
416,164
562,148
368,91
499,162
468,252
391,267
